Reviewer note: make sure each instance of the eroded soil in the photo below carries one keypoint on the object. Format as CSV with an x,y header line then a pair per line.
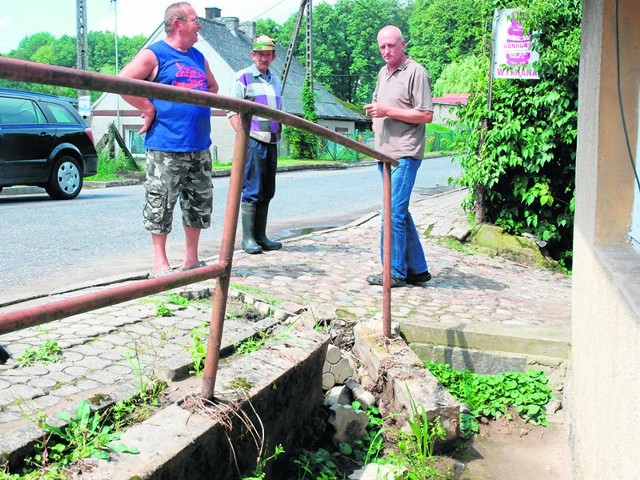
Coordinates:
x,y
508,450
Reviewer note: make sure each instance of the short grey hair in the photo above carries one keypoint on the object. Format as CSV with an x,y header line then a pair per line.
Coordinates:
x,y
173,11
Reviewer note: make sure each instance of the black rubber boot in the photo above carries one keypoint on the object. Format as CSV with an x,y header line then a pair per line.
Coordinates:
x,y
262,211
249,243
4,355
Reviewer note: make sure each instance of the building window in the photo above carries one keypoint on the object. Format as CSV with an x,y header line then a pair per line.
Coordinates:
x,y
134,142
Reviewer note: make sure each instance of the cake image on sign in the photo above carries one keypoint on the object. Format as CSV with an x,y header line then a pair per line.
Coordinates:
x,y
517,45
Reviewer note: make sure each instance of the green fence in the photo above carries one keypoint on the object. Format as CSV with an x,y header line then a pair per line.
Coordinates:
x,y
327,150
438,141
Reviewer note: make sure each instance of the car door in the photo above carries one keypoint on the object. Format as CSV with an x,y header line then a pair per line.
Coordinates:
x,y
27,140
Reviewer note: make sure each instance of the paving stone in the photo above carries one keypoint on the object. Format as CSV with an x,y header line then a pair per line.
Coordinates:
x,y
42,383
45,402
119,370
24,392
104,377
76,371
65,391
6,417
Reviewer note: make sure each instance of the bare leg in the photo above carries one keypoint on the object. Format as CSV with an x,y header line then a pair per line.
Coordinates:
x,y
192,237
161,262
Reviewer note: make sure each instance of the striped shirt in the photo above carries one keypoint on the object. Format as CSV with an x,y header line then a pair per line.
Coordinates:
x,y
252,85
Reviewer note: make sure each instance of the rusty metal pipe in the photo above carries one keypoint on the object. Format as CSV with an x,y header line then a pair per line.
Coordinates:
x,y
219,305
23,70
37,315
386,250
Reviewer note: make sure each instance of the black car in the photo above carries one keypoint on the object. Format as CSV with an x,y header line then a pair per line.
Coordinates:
x,y
44,142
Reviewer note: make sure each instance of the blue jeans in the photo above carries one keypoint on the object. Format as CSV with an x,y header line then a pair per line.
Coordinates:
x,y
259,184
407,255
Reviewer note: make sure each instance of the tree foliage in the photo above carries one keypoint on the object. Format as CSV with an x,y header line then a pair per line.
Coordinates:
x,y
459,76
443,31
304,145
525,158
346,57
45,48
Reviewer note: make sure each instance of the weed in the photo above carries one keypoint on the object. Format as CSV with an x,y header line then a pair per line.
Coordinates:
x,y
368,448
259,473
48,352
240,383
319,464
162,310
133,359
198,348
492,395
414,448
252,344
139,408
177,299
328,465
85,435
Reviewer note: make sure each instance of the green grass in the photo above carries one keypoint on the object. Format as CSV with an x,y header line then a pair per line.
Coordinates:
x,y
282,162
109,168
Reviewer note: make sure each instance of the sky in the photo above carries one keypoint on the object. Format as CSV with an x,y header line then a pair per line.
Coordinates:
x,y
20,18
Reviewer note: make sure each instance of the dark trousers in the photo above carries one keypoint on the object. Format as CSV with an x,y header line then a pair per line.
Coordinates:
x,y
259,184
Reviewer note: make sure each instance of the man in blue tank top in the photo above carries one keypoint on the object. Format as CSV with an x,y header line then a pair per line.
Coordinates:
x,y
178,136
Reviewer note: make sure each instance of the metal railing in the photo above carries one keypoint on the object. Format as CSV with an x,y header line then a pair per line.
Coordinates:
x,y
61,76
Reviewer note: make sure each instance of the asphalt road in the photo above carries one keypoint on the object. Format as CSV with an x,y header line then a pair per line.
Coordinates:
x,y
50,245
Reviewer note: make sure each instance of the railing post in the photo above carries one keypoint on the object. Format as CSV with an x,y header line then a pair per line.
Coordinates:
x,y
227,246
386,251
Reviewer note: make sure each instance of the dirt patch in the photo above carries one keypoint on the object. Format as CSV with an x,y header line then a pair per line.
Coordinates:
x,y
504,450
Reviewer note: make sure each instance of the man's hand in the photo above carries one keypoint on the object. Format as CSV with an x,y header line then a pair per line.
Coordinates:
x,y
375,110
148,118
409,115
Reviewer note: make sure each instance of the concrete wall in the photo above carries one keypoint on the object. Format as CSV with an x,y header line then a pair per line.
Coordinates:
x,y
605,387
443,112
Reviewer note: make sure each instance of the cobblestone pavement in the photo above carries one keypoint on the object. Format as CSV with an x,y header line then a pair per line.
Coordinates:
x,y
323,270
328,269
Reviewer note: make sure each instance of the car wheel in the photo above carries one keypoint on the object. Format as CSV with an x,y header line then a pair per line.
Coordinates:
x,y
66,179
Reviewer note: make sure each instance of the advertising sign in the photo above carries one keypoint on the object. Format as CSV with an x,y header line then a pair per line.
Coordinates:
x,y
84,105
513,57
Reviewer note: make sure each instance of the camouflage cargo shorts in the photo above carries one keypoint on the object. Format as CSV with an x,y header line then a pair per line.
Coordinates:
x,y
177,175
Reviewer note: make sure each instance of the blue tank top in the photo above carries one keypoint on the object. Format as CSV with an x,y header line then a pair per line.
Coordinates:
x,y
179,127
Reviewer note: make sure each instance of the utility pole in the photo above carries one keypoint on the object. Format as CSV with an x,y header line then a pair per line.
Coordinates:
x,y
304,5
309,64
115,7
82,59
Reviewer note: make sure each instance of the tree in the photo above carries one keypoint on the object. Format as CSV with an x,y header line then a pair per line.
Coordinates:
x,y
304,144
459,76
268,27
346,57
45,48
442,31
525,158
356,25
